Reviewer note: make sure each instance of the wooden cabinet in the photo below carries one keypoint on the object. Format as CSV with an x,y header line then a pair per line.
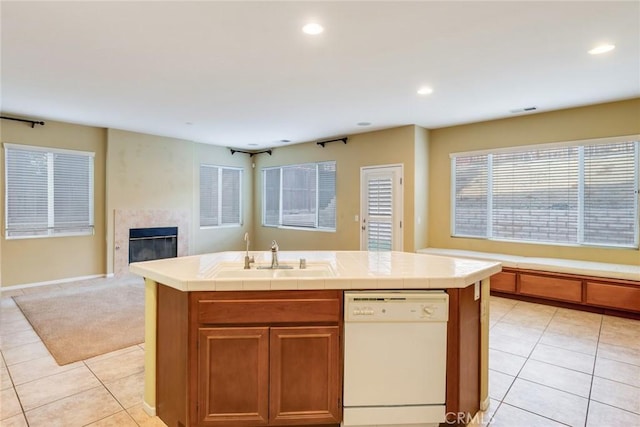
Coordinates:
x,y
615,296
564,289
505,281
301,357
251,358
597,294
233,375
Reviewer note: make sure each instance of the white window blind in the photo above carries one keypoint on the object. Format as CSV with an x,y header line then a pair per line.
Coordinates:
x,y
327,195
470,196
49,192
572,194
380,214
271,197
535,195
301,196
611,194
220,196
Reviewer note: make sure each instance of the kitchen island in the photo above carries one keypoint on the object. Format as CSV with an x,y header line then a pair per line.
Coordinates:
x,y
195,303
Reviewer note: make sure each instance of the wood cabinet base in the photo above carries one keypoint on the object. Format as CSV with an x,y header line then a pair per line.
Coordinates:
x,y
595,294
277,365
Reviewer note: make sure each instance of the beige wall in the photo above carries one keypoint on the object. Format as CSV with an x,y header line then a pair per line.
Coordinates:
x,y
597,121
138,171
421,187
26,261
391,146
153,172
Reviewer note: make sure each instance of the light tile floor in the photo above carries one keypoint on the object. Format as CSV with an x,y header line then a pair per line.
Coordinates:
x,y
103,391
548,367
558,367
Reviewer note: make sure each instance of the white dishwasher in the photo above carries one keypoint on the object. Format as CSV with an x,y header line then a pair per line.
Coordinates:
x,y
395,358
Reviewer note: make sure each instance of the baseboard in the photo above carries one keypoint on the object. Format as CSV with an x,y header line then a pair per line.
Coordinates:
x,y
484,405
150,410
52,282
110,276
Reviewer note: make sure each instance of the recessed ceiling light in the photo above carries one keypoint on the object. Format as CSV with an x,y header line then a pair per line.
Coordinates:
x,y
364,123
425,90
284,141
252,145
312,29
188,123
602,49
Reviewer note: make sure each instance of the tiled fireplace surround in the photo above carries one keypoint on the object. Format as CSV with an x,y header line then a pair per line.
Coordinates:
x,y
126,219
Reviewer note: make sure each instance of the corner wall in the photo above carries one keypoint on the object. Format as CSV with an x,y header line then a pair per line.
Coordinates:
x,y
26,261
147,172
390,146
596,121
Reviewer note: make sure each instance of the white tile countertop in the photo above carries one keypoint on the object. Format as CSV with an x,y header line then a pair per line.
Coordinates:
x,y
344,270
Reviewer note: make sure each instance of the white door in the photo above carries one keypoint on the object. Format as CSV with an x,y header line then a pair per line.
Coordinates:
x,y
381,208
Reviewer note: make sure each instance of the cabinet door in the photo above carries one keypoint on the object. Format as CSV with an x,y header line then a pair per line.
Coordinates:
x,y
233,377
305,376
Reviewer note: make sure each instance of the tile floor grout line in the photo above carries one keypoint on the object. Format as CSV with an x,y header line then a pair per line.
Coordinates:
x,y
551,387
619,361
524,364
575,351
616,407
15,391
593,371
46,375
561,366
57,400
617,382
539,415
109,391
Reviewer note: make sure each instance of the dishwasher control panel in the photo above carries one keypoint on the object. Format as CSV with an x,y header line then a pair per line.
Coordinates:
x,y
428,306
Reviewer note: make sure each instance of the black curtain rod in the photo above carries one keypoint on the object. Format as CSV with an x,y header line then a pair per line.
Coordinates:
x,y
321,143
33,122
250,153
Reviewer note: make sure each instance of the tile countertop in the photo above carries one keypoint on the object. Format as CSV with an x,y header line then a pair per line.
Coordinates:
x,y
350,270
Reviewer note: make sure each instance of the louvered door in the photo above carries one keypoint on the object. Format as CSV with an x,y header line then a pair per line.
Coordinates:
x,y
381,209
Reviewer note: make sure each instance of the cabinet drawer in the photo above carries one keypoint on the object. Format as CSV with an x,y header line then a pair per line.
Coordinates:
x,y
551,287
504,282
271,309
614,296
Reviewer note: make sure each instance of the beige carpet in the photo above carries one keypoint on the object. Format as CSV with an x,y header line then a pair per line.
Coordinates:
x,y
88,319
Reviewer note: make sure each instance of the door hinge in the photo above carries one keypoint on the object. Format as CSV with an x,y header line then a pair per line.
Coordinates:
x,y
400,181
400,224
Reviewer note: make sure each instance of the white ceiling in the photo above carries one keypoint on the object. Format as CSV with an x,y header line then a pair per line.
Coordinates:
x,y
243,73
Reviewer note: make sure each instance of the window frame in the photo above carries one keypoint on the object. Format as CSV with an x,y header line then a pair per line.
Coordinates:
x,y
220,200
88,230
580,144
316,227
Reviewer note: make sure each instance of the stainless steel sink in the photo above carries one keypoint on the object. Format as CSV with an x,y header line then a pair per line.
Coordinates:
x,y
286,270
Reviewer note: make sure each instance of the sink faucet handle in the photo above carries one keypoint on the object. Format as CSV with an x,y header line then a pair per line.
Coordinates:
x,y
274,246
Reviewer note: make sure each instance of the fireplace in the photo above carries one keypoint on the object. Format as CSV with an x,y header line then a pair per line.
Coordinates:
x,y
152,243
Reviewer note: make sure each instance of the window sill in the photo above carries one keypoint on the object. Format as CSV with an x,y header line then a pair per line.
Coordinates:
x,y
289,227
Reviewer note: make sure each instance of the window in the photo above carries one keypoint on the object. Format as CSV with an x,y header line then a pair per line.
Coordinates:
x,y
220,196
301,196
49,192
567,194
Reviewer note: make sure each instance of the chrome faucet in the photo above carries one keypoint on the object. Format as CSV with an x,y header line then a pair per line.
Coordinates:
x,y
247,259
274,254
